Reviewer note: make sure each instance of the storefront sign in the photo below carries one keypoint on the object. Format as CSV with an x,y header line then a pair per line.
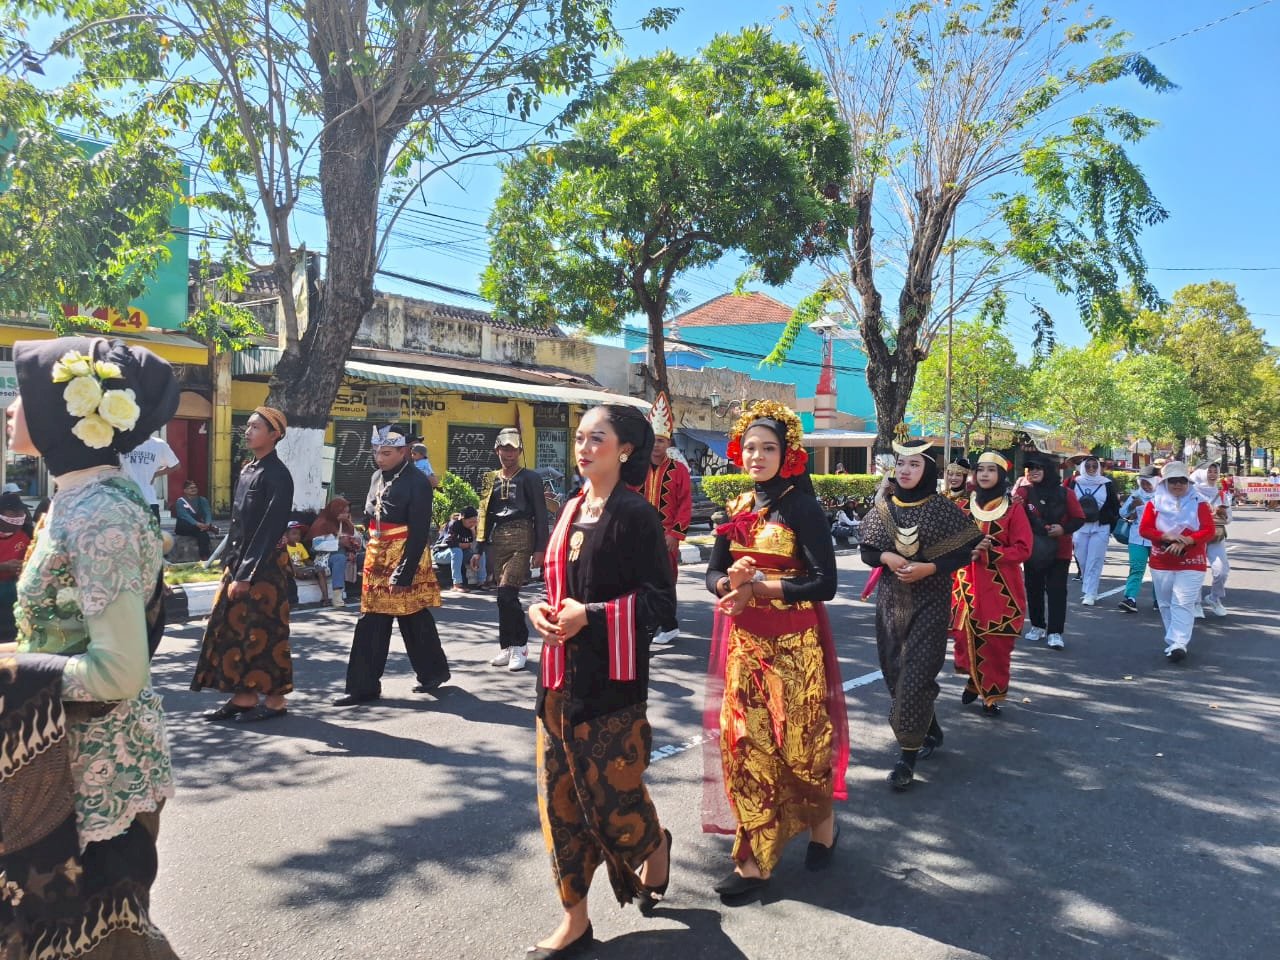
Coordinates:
x,y
470,454
8,383
553,448
550,415
384,401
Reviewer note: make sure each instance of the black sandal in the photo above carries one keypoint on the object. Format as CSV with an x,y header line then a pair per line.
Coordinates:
x,y
228,711
650,897
262,712
932,740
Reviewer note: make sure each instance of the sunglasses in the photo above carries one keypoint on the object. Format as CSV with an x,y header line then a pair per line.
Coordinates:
x,y
1177,480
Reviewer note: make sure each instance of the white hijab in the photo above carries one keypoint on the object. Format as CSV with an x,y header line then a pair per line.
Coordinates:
x,y
1088,484
1174,514
1212,495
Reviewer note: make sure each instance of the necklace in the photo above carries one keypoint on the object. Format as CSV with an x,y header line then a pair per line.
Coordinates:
x,y
987,515
592,507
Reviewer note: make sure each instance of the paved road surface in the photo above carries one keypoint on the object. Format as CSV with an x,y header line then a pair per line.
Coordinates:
x,y
1121,807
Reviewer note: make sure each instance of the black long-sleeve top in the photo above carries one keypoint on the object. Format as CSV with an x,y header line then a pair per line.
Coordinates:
x,y
407,496
526,502
947,534
807,520
624,552
260,515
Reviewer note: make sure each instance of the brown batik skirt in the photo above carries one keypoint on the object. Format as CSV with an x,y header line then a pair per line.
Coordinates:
x,y
246,644
592,798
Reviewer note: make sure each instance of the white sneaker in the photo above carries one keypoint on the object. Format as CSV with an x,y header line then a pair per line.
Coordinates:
x,y
663,637
1217,609
519,657
338,600
503,658
1036,634
1089,600
1199,612
1055,642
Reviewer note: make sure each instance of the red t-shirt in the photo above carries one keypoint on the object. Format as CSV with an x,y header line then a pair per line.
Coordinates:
x,y
13,546
1194,558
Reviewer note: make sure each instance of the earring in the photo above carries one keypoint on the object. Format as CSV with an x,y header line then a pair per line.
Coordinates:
x,y
623,457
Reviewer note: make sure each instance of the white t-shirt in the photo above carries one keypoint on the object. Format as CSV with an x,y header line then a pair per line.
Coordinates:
x,y
141,463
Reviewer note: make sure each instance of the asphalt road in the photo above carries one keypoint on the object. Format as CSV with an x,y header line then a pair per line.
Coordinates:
x,y
1121,806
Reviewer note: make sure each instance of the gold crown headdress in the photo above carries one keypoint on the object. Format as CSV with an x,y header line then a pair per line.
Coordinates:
x,y
796,458
905,449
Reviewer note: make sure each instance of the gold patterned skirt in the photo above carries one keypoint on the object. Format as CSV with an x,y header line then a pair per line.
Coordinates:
x,y
776,735
381,557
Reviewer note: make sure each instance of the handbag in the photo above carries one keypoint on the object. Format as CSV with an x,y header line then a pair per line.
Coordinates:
x,y
1121,531
1044,551
325,544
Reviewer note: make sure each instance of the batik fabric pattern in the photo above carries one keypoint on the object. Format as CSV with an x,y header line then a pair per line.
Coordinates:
x,y
382,557
783,745
246,643
989,602
912,618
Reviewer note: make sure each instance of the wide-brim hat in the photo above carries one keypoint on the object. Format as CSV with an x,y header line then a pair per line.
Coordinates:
x,y
1174,469
508,437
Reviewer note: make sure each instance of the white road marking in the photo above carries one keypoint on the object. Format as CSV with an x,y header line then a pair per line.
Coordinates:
x,y
1110,593
863,680
1270,532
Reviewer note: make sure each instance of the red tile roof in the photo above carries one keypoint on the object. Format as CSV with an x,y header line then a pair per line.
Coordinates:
x,y
731,309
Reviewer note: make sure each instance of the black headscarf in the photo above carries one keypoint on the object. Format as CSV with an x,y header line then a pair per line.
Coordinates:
x,y
1052,478
768,491
927,486
151,379
985,497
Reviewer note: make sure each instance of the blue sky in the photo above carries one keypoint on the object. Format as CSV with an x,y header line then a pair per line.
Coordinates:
x,y
1211,161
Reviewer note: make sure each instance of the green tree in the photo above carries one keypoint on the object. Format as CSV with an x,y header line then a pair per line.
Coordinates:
x,y
970,114
1077,392
987,384
358,102
1159,398
673,163
1206,331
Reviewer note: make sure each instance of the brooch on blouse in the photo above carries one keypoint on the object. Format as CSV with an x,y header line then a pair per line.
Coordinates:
x,y
575,545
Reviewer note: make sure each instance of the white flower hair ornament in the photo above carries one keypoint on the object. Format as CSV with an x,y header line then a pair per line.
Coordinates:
x,y
100,411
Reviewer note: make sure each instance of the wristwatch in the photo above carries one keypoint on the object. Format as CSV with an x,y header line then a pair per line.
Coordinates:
x,y
759,577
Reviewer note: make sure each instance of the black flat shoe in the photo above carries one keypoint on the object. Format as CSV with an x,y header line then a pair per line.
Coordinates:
x,y
570,949
353,699
818,857
968,696
736,887
932,740
432,686
901,776
261,712
228,711
650,897
992,709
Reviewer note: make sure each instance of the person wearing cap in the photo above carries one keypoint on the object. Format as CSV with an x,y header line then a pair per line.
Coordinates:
x,y
956,485
513,533
301,566
669,488
15,535
422,463
1139,546
246,649
82,787
920,539
1096,495
1055,513
989,600
1179,523
397,585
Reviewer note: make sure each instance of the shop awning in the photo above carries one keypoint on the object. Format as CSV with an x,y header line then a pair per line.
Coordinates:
x,y
263,361
717,443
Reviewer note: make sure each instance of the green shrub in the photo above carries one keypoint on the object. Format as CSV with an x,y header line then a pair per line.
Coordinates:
x,y
452,495
1257,472
830,486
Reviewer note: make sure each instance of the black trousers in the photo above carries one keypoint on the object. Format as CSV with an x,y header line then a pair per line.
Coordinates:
x,y
1051,585
184,529
373,640
513,629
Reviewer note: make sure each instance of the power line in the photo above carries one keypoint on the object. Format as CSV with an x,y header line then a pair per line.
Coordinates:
x,y
1211,23
1216,269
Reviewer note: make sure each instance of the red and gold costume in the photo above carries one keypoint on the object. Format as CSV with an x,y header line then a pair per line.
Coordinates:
x,y
668,486
989,599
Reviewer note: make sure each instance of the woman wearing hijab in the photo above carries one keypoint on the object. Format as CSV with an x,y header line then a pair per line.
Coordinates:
x,y
1139,546
84,761
15,535
921,539
609,587
990,600
1219,500
1054,512
1179,523
773,681
1101,507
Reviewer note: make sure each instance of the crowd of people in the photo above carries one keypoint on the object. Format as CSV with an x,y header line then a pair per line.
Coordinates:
x,y
962,559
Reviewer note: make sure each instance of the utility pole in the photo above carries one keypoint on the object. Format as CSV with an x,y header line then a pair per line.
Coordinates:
x,y
951,316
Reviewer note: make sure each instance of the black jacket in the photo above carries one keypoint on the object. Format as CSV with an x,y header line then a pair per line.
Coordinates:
x,y
260,515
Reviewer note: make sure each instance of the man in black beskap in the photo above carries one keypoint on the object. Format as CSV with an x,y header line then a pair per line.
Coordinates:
x,y
397,583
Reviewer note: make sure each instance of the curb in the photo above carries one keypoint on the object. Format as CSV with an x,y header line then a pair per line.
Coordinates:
x,y
194,601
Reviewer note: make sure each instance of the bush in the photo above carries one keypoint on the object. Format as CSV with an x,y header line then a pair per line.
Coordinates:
x,y
452,495
829,486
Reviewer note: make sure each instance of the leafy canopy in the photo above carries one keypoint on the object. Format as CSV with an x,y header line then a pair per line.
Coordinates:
x,y
674,162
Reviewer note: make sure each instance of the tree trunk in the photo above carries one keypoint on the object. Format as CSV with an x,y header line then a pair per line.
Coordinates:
x,y
658,350
308,378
